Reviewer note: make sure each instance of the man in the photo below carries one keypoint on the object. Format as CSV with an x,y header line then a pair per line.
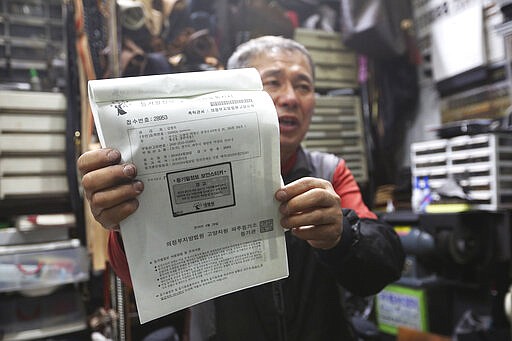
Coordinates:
x,y
326,245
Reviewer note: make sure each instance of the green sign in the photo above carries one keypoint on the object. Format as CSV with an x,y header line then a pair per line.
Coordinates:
x,y
399,306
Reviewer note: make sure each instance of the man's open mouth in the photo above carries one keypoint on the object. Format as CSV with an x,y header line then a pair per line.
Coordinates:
x,y
288,121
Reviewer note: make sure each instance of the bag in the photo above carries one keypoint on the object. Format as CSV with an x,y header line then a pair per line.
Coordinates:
x,y
373,27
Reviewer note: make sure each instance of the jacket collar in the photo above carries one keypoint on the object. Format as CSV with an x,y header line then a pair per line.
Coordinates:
x,y
296,167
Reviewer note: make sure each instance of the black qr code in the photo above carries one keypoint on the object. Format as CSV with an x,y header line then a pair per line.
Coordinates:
x,y
266,225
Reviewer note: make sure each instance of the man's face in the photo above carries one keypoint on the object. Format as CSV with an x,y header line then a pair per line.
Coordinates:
x,y
287,77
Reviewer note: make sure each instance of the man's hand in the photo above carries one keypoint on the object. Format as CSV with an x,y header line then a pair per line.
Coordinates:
x,y
109,186
311,209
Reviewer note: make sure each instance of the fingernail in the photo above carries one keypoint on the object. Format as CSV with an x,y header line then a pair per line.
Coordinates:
x,y
129,170
281,195
113,155
138,186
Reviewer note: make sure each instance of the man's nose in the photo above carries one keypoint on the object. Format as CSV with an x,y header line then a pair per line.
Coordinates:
x,y
287,95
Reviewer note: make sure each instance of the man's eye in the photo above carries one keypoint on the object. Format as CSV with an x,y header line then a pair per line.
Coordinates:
x,y
305,87
271,83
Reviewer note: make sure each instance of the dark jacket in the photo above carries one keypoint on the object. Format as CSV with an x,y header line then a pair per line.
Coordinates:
x,y
307,304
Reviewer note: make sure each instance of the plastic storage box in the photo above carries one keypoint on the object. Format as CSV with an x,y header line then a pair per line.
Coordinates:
x,y
37,267
38,318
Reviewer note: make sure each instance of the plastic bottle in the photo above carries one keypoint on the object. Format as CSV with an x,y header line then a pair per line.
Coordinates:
x,y
417,195
390,207
426,197
35,81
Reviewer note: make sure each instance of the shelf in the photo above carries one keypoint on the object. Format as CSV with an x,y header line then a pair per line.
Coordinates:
x,y
35,318
15,19
30,101
33,204
32,165
11,235
41,268
45,332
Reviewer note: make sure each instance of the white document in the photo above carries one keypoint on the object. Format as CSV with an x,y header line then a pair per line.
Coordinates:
x,y
458,42
206,146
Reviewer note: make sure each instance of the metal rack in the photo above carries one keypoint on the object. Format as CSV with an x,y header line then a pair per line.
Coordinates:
x,y
43,268
31,37
38,261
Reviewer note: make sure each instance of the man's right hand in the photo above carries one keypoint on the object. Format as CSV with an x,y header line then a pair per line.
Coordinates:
x,y
110,187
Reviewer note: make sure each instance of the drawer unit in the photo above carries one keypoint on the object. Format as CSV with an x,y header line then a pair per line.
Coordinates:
x,y
32,102
32,144
23,165
335,64
32,123
337,128
47,185
481,164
